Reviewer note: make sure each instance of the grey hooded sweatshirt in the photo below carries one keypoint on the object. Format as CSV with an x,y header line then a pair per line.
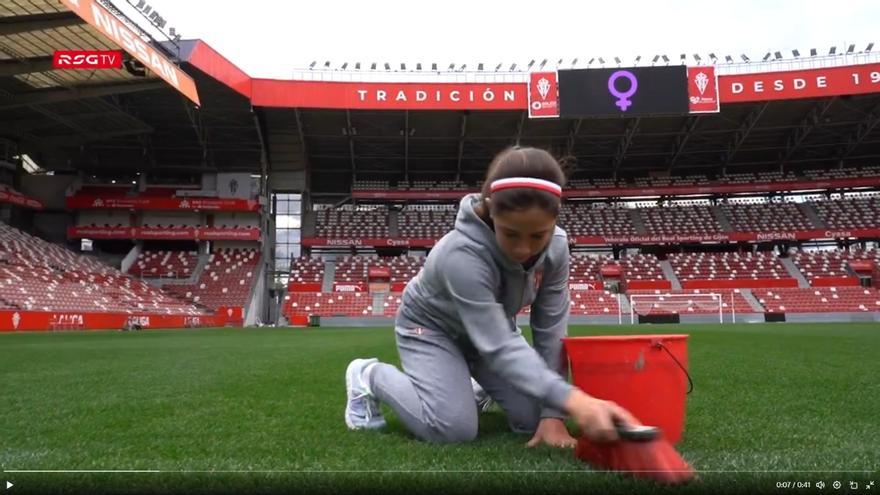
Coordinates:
x,y
469,289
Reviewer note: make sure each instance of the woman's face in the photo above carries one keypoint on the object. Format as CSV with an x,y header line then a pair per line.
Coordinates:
x,y
523,234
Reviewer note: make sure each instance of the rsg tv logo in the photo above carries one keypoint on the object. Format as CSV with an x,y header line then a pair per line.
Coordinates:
x,y
87,59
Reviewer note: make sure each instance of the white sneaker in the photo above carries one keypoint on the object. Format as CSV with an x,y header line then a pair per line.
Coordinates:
x,y
362,409
484,401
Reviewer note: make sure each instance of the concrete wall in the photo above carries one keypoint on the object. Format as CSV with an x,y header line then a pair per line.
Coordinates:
x,y
50,189
102,217
51,226
287,181
172,218
234,245
247,219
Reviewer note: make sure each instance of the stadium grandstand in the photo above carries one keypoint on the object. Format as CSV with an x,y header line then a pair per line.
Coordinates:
x,y
175,190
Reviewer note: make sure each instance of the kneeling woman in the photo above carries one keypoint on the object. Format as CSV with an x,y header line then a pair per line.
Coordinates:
x,y
457,319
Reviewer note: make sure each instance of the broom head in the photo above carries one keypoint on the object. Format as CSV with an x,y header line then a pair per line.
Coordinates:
x,y
651,458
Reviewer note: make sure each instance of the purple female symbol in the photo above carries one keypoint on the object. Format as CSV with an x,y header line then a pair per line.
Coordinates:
x,y
623,97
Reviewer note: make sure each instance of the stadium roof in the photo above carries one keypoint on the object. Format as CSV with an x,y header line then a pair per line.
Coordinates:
x,y
110,120
117,121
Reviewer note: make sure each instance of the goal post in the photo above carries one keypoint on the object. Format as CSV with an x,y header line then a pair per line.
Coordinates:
x,y
681,304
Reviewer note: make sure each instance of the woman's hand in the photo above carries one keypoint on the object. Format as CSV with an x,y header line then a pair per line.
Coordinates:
x,y
596,417
552,431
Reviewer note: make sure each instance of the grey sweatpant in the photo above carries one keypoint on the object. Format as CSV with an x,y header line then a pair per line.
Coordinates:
x,y
433,396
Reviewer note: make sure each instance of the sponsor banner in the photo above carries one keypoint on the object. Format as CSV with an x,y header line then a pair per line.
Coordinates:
x,y
367,242
389,96
834,282
115,30
648,284
12,320
14,197
733,88
646,239
703,90
410,194
611,270
87,59
379,272
349,287
159,233
726,237
813,83
647,191
623,239
231,314
861,266
148,203
543,95
298,320
805,235
228,234
742,283
303,287
592,285
102,232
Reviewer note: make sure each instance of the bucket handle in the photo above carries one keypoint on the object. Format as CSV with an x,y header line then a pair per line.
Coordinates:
x,y
658,343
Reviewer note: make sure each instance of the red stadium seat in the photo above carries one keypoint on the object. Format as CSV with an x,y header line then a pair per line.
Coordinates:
x,y
40,276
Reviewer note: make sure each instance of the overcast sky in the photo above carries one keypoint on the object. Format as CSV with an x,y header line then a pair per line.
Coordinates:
x,y
270,38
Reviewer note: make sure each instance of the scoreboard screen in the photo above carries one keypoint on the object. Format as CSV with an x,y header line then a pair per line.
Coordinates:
x,y
623,92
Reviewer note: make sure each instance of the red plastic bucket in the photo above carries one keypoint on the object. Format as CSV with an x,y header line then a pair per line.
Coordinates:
x,y
638,372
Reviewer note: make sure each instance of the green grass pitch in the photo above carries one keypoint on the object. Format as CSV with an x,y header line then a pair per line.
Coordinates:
x,y
260,410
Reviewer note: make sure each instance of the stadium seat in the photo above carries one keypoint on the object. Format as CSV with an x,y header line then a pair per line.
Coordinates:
x,y
831,264
857,213
681,220
766,217
40,276
727,266
819,300
226,280
352,223
164,264
583,220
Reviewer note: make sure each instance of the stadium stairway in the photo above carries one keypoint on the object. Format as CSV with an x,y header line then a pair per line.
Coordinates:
x,y
789,265
201,261
11,304
200,266
394,223
722,219
379,303
257,297
637,222
329,274
669,273
625,307
812,215
752,300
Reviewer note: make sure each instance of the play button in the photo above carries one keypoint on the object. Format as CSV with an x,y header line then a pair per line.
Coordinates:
x,y
8,485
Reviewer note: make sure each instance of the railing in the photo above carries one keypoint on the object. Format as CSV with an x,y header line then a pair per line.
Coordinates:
x,y
505,75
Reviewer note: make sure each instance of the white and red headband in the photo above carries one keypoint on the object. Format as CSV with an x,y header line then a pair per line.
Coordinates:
x,y
526,182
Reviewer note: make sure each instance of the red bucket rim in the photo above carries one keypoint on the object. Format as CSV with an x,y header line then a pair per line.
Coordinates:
x,y
627,337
